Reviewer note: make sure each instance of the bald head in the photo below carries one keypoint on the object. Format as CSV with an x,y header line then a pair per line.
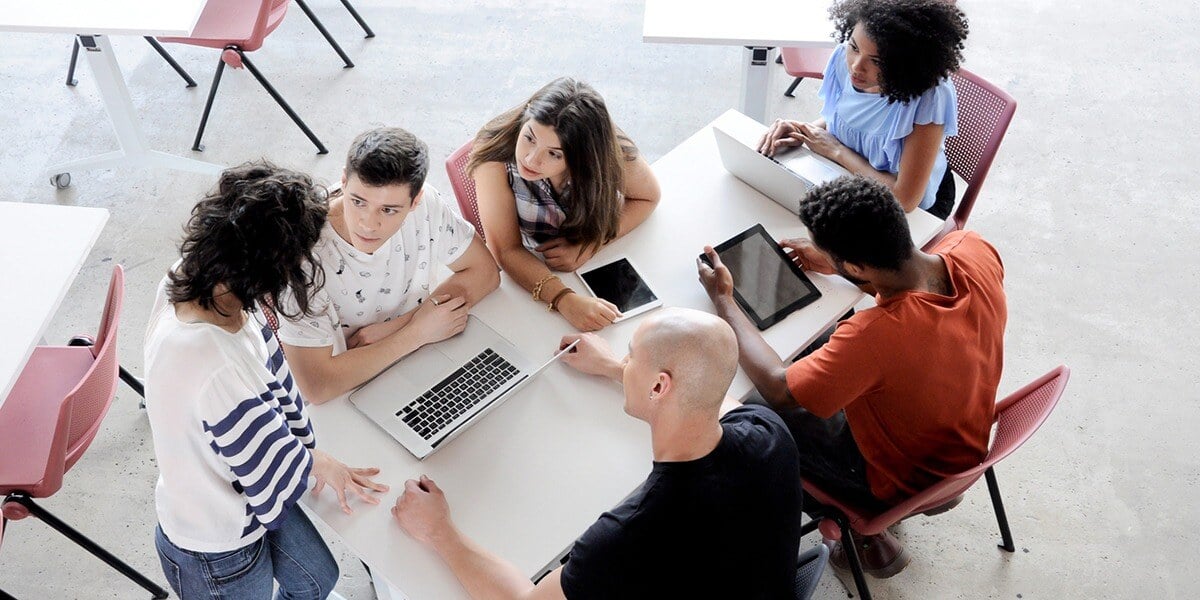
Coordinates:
x,y
699,350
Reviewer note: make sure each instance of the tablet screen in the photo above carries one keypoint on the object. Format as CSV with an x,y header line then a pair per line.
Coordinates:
x,y
768,284
620,284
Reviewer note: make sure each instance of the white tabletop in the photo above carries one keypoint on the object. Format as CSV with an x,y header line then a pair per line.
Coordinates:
x,y
42,247
114,17
529,478
744,23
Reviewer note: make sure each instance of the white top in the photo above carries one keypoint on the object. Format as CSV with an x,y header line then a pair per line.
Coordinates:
x,y
230,432
362,289
42,247
114,17
744,23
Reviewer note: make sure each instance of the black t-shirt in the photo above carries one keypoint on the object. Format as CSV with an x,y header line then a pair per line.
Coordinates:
x,y
723,526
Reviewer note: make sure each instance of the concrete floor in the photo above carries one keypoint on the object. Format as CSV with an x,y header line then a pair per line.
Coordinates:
x,y
1087,203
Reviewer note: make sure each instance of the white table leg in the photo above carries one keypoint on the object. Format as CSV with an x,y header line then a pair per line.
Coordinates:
x,y
135,150
385,590
755,75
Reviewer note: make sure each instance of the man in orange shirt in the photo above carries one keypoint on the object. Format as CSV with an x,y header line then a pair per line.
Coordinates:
x,y
902,394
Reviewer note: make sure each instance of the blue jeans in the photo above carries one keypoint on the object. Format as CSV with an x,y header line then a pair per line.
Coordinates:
x,y
294,555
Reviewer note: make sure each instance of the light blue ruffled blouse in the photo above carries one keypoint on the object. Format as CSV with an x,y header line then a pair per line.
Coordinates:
x,y
867,124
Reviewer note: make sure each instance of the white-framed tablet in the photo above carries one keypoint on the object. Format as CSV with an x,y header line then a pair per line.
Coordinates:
x,y
621,283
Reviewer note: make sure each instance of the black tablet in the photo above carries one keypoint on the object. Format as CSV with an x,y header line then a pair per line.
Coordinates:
x,y
766,283
620,283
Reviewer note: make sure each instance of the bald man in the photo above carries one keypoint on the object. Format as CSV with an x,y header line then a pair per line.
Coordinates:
x,y
718,517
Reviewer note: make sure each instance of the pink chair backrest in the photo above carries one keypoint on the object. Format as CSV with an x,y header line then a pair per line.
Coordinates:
x,y
1018,416
984,112
464,186
86,405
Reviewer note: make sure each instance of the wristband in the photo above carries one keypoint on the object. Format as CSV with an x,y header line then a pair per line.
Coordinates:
x,y
563,293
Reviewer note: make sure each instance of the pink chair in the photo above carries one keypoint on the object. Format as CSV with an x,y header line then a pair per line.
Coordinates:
x,y
51,417
238,27
803,62
1017,418
984,112
464,186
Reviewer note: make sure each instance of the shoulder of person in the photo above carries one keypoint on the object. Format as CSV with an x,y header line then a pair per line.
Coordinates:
x,y
970,247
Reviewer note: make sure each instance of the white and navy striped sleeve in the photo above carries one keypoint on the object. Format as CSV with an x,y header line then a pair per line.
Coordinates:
x,y
264,437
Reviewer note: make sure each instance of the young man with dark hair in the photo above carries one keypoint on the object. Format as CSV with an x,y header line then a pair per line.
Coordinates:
x,y
902,394
387,237
717,516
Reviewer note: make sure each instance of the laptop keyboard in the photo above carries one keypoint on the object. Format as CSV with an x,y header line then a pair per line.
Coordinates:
x,y
453,396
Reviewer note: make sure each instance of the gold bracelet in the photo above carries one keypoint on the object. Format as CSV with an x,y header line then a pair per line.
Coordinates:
x,y
537,288
563,293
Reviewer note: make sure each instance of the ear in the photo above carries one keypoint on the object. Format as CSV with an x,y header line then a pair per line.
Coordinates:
x,y
343,178
417,199
856,270
663,385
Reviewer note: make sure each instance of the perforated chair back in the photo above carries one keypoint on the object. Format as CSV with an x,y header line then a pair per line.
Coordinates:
x,y
89,401
984,113
464,186
809,568
1018,416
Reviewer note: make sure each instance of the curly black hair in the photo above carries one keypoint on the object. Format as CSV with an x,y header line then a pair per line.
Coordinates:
x,y
920,42
858,220
255,234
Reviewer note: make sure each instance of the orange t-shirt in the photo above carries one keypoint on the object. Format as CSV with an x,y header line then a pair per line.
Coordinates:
x,y
917,375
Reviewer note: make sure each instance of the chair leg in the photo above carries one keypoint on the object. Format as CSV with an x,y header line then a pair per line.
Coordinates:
x,y
792,88
74,58
87,544
283,104
998,505
361,23
325,32
851,549
212,93
171,61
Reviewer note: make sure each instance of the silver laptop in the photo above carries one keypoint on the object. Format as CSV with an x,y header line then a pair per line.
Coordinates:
x,y
785,178
433,394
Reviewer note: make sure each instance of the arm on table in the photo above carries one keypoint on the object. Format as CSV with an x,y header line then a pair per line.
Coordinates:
x,y
498,213
762,365
323,376
423,512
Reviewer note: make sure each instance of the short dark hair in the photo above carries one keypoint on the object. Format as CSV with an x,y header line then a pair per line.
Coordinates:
x,y
858,220
389,156
920,41
254,234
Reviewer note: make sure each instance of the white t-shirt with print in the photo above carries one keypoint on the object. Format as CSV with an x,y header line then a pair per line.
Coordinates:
x,y
362,289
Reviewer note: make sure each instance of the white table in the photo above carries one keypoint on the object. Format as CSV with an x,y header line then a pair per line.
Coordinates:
x,y
93,21
529,478
42,247
758,25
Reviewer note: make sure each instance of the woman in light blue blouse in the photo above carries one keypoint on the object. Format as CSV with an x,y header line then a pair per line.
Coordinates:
x,y
889,101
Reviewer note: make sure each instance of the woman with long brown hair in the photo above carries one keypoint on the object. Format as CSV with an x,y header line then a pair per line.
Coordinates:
x,y
556,180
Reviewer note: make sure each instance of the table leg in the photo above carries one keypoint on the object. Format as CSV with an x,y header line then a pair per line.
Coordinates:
x,y
135,150
755,75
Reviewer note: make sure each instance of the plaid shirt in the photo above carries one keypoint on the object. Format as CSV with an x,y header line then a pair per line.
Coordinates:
x,y
539,211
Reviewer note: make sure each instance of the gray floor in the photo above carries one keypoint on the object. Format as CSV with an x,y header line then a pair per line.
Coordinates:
x,y
1090,202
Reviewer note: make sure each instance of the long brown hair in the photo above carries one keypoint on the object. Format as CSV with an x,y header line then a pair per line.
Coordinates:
x,y
592,146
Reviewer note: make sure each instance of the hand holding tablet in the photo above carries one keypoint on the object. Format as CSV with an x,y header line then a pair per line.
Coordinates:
x,y
767,284
620,283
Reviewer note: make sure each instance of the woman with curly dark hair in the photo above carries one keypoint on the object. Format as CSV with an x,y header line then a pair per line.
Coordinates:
x,y
231,436
889,101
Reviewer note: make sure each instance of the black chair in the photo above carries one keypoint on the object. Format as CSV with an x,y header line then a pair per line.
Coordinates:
x,y
809,568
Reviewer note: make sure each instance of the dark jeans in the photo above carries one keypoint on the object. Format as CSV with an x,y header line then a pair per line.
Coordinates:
x,y
943,201
829,458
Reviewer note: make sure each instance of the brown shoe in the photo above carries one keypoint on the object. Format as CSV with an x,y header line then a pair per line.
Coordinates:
x,y
881,556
